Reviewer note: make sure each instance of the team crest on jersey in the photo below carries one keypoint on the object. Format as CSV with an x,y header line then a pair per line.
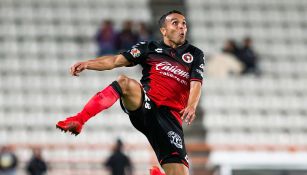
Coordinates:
x,y
135,52
187,57
175,139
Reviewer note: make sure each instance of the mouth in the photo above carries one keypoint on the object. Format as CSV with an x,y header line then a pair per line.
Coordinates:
x,y
181,34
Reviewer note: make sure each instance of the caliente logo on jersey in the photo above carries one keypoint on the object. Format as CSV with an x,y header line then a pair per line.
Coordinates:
x,y
166,66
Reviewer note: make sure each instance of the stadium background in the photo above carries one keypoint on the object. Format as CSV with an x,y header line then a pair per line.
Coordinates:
x,y
251,125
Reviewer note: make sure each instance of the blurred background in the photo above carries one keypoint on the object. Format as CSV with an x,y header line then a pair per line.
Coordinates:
x,y
253,112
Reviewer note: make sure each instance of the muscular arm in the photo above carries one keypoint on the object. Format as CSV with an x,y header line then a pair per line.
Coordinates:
x,y
101,63
188,113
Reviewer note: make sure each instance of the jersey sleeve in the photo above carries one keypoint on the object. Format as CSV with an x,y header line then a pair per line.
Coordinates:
x,y
197,71
137,53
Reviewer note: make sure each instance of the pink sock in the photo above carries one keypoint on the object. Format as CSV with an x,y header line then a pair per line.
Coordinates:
x,y
99,102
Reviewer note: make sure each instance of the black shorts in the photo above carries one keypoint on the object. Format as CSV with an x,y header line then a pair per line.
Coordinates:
x,y
162,130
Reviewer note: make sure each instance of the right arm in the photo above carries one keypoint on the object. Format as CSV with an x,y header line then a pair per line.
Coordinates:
x,y
101,63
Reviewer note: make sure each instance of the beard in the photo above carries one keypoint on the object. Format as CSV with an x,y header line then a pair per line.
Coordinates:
x,y
180,41
175,38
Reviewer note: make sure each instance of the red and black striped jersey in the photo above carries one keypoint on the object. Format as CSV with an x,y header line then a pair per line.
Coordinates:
x,y
167,72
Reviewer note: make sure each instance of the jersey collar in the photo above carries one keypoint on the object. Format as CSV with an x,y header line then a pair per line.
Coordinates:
x,y
179,49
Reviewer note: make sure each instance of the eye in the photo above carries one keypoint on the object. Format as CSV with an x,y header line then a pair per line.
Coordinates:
x,y
175,22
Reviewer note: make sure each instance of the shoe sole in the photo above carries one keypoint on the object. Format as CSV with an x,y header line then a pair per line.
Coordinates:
x,y
71,129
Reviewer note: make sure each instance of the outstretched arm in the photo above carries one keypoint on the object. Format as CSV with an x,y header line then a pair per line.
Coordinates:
x,y
101,63
188,113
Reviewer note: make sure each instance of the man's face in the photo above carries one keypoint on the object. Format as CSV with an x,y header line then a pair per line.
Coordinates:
x,y
175,28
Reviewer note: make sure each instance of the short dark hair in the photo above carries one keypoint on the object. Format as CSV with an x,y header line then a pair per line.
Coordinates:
x,y
163,17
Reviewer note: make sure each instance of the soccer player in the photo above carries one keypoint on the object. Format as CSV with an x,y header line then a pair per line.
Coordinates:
x,y
167,96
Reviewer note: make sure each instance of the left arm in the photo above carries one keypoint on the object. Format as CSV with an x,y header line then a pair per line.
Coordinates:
x,y
188,113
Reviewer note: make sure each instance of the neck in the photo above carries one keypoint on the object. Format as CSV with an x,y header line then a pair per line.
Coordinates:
x,y
171,43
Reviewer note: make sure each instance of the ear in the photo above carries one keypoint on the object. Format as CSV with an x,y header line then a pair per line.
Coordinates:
x,y
163,31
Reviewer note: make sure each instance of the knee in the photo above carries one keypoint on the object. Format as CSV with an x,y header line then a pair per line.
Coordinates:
x,y
123,82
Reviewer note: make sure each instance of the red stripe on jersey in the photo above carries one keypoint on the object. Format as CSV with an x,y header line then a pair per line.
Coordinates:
x,y
185,163
169,85
175,153
177,116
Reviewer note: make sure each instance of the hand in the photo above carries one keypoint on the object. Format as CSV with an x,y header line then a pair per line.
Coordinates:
x,y
188,114
77,68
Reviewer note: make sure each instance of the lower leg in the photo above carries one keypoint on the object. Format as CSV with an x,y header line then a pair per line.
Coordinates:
x,y
123,87
155,171
128,89
101,101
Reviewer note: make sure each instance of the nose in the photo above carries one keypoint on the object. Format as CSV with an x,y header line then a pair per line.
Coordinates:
x,y
181,26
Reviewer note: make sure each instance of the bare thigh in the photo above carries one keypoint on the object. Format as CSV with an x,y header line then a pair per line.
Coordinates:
x,y
175,169
132,92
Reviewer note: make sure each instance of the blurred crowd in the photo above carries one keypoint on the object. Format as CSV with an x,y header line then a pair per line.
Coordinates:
x,y
8,161
111,41
234,59
118,163
36,165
